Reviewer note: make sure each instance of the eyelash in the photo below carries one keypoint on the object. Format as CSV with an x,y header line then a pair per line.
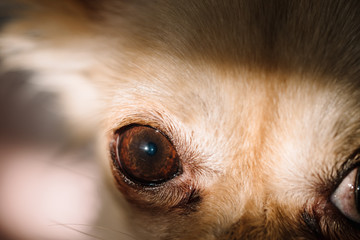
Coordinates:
x,y
352,162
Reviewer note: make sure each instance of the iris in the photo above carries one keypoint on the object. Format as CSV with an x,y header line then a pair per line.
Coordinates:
x,y
145,155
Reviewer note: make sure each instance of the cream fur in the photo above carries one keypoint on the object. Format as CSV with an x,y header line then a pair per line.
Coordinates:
x,y
260,128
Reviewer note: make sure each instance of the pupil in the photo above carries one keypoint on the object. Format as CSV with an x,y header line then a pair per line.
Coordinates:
x,y
149,148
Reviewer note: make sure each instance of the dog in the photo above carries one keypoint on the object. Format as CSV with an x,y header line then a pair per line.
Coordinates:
x,y
214,119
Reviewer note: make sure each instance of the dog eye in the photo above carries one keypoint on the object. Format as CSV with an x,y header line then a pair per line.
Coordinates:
x,y
146,156
347,196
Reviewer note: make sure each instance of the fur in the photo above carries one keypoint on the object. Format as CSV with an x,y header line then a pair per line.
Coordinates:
x,y
261,99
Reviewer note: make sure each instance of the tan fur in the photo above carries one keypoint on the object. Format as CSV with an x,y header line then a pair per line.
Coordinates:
x,y
260,98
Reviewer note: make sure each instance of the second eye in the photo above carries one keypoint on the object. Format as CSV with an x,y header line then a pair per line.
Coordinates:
x,y
347,196
146,156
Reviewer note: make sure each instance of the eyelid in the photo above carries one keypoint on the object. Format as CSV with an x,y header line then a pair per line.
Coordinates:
x,y
351,162
156,119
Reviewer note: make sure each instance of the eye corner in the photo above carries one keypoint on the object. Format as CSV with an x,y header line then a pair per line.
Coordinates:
x,y
323,220
328,216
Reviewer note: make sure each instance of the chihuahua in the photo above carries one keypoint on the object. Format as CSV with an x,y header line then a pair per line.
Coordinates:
x,y
226,120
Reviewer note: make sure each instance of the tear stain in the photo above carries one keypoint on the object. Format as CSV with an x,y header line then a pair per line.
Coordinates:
x,y
312,223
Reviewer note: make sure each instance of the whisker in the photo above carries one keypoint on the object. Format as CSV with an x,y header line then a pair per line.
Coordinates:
x,y
76,230
68,225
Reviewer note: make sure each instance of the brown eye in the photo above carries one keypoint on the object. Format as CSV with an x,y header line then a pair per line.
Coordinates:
x,y
146,156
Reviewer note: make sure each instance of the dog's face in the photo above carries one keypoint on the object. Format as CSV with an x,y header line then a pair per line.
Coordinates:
x,y
258,155
217,120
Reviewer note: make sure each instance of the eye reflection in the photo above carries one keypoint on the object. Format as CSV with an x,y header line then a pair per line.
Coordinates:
x,y
149,148
347,196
